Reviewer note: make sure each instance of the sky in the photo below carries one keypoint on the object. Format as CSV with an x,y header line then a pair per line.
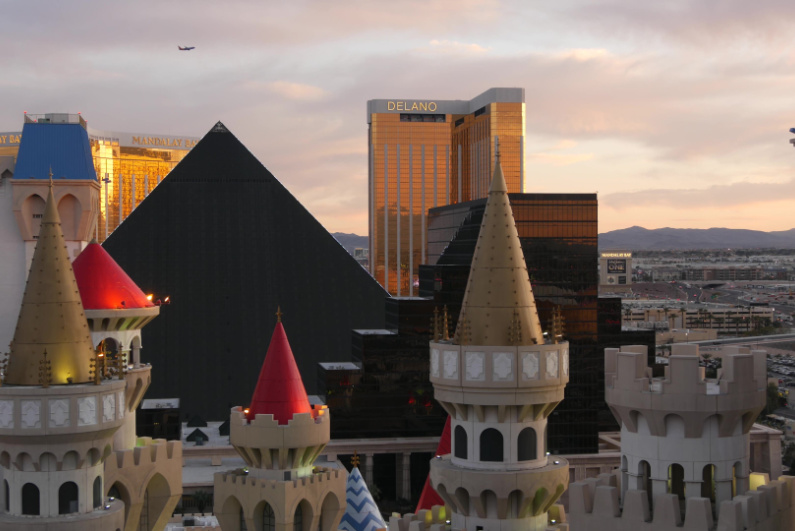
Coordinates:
x,y
676,113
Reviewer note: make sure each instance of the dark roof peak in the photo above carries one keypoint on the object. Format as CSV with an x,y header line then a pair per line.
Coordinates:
x,y
219,128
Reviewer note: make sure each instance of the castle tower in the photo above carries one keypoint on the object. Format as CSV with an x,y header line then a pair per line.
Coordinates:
x,y
499,378
149,483
685,448
56,421
280,436
55,151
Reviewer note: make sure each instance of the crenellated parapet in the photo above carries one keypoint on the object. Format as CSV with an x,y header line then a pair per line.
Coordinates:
x,y
153,465
318,495
594,504
434,519
264,443
734,398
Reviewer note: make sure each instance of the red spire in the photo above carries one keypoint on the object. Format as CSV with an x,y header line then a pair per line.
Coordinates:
x,y
430,497
103,284
280,390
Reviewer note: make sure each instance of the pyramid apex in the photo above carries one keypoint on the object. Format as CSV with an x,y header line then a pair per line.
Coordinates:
x,y
219,127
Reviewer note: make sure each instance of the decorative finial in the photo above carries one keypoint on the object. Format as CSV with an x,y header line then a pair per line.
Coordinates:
x,y
278,314
50,177
497,142
355,459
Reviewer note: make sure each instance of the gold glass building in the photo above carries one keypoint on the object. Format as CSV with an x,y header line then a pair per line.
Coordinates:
x,y
128,166
430,153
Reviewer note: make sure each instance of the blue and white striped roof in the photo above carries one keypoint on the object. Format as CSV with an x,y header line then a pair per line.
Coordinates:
x,y
362,513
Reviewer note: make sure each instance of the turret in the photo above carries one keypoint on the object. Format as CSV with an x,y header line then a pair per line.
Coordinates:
x,y
280,436
499,378
685,447
57,415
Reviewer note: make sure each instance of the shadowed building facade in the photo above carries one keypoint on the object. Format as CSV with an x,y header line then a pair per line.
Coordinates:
x,y
429,153
228,243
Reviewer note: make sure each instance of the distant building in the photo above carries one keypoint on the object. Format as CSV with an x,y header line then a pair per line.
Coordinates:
x,y
128,165
615,271
430,153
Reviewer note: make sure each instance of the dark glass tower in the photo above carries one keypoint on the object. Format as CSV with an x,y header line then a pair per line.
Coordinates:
x,y
229,244
558,233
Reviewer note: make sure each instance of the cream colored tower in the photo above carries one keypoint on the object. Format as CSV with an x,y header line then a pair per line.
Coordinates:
x,y
56,424
280,436
685,448
499,379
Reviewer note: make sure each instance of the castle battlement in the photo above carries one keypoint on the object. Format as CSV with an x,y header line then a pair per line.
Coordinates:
x,y
594,504
424,520
735,396
265,443
148,452
319,476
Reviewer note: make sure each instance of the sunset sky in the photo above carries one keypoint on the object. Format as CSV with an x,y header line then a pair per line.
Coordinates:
x,y
677,113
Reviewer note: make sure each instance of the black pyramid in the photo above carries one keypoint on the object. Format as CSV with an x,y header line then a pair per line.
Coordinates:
x,y
229,244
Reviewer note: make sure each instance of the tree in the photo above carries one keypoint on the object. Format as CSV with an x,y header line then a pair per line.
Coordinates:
x,y
773,399
202,498
788,459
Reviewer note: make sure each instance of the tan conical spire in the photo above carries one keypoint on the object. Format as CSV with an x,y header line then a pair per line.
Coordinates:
x,y
499,307
51,317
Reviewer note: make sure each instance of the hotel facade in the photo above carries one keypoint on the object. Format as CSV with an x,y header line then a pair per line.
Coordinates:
x,y
128,165
430,153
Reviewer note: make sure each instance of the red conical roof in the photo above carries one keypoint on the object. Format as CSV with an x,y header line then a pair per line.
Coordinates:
x,y
430,497
280,391
103,284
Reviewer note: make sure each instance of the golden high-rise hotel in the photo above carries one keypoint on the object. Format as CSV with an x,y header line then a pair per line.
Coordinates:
x,y
429,153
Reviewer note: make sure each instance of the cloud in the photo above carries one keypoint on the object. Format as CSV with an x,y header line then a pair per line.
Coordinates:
x,y
455,48
296,91
724,196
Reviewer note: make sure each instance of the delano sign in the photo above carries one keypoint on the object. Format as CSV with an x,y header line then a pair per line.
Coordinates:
x,y
427,106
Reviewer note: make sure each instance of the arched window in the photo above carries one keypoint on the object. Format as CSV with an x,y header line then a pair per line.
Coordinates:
x,y
298,519
97,492
644,471
67,498
490,445
528,445
676,480
243,526
708,483
30,499
460,442
268,518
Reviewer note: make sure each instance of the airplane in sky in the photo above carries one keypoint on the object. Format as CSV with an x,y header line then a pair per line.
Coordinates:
x,y
185,48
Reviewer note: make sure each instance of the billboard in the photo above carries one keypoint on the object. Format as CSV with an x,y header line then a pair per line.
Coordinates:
x,y
616,266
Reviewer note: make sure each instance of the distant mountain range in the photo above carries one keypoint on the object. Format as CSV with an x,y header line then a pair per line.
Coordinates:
x,y
350,241
640,239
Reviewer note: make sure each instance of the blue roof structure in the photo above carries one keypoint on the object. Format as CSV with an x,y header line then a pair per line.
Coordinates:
x,y
362,513
63,147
